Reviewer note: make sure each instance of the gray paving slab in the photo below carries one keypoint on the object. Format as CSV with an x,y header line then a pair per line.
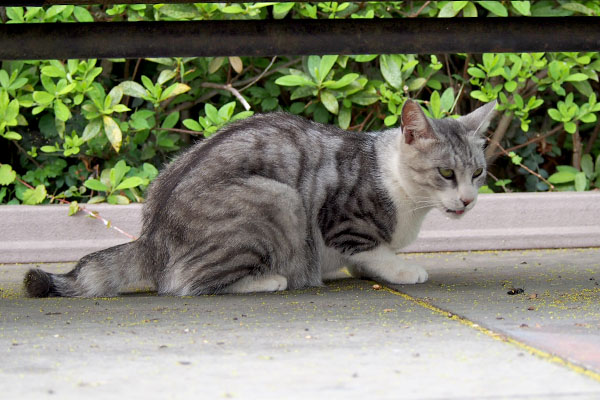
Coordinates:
x,y
345,340
558,311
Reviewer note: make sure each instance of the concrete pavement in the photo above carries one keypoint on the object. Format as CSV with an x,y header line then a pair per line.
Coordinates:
x,y
458,336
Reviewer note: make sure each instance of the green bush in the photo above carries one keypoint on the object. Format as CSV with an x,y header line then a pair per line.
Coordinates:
x,y
92,131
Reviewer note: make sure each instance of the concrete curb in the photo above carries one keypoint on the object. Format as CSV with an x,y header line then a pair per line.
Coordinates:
x,y
498,222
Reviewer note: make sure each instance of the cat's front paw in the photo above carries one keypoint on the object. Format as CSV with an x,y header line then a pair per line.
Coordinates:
x,y
408,274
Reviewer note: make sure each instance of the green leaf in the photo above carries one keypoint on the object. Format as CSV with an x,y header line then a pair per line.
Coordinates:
x,y
578,8
448,11
61,111
330,102
555,114
192,125
7,175
561,177
171,120
365,97
166,75
587,165
96,199
113,132
4,79
416,84
66,89
12,135
325,66
343,81
435,104
232,9
215,64
476,72
133,89
312,64
495,7
237,64
96,185
174,90
212,113
34,196
226,111
116,94
344,117
12,112
42,97
179,11
73,208
580,182
117,199
479,95
390,120
91,130
510,86
523,7
130,183
82,15
49,149
470,11
577,77
294,80
447,99
570,127
280,10
53,71
391,71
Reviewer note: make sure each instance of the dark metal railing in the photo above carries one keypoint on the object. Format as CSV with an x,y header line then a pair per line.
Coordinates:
x,y
292,36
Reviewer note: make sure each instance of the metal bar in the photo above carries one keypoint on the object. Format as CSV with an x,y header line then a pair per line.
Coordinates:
x,y
297,37
39,3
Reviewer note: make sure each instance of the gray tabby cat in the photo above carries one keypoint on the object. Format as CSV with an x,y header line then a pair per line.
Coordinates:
x,y
277,202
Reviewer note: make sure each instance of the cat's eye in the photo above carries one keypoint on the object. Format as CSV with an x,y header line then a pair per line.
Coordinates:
x,y
446,173
477,172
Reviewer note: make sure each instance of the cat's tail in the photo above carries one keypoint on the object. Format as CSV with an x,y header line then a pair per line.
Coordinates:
x,y
102,273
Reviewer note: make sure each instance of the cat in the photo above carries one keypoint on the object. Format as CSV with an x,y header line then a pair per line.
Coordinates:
x,y
277,202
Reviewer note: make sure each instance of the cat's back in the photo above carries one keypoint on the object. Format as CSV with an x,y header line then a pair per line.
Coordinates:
x,y
278,146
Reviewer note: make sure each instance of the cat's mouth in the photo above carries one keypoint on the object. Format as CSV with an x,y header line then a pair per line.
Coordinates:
x,y
456,212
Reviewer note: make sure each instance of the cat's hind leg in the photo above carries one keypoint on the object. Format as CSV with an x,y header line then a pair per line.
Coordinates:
x,y
247,235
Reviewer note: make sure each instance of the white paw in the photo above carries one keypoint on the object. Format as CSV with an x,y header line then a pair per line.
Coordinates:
x,y
273,283
408,274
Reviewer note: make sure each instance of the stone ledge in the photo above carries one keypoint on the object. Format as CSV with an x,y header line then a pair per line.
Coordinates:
x,y
498,222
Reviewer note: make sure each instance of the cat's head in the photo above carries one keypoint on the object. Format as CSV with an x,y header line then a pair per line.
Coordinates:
x,y
444,158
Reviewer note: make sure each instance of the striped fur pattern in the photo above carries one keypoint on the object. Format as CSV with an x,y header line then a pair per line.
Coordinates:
x,y
278,202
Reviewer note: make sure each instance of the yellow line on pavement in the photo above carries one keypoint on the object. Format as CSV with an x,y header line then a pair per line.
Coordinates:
x,y
498,336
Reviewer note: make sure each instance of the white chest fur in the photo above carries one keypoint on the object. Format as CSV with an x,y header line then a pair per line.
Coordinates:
x,y
409,213
408,226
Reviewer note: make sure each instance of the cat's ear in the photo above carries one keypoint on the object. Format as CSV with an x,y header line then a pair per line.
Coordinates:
x,y
478,121
415,126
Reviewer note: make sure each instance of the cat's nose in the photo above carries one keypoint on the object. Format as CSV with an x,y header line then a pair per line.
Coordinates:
x,y
466,202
